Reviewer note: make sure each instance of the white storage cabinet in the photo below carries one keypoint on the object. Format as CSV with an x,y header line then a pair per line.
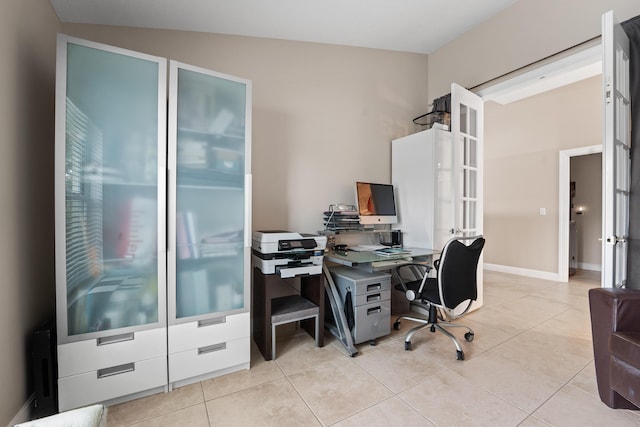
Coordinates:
x,y
112,247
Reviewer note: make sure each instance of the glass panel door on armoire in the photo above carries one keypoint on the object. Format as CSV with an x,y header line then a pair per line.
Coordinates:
x,y
208,138
110,191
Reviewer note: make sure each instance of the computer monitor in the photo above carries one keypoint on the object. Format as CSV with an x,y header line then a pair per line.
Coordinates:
x,y
376,203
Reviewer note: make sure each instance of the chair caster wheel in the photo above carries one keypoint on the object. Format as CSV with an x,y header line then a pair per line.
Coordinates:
x,y
407,345
396,325
459,355
468,336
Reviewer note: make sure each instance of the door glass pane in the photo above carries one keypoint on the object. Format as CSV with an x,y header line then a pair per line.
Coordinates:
x,y
111,187
473,123
471,219
463,118
473,153
210,194
472,186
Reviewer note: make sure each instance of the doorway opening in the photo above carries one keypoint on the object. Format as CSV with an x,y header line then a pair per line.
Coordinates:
x,y
586,211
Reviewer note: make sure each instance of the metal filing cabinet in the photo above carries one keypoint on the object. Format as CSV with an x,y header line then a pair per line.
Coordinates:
x,y
370,295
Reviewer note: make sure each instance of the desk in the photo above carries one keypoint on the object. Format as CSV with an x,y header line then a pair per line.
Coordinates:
x,y
269,286
369,261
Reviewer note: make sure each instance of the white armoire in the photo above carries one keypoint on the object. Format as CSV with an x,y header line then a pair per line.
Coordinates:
x,y
437,177
152,276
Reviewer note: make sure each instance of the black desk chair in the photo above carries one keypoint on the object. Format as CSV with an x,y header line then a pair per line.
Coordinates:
x,y
439,297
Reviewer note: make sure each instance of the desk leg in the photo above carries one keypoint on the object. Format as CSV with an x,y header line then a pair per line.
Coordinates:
x,y
262,313
341,329
312,288
265,288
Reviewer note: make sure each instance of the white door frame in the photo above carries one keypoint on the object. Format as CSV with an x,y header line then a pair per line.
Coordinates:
x,y
563,203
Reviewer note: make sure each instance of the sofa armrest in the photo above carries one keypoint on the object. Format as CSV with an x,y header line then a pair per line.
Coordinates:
x,y
611,310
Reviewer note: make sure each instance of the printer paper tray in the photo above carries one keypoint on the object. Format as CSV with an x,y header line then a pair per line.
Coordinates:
x,y
287,272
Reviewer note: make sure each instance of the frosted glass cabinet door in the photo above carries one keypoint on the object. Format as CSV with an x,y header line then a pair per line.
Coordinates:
x,y
209,125
110,183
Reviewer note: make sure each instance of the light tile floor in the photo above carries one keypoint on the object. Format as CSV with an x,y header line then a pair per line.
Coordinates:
x,y
531,364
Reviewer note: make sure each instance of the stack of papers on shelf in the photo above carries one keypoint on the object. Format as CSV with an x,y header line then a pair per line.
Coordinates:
x,y
392,251
346,219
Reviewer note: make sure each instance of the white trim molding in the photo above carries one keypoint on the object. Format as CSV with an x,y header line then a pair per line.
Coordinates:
x,y
545,275
564,200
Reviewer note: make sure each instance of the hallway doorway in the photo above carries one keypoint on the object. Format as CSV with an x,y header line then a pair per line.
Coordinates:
x,y
580,215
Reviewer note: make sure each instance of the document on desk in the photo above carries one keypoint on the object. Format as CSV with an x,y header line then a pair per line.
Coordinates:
x,y
366,248
392,251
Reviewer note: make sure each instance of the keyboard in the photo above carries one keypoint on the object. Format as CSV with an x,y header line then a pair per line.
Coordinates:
x,y
391,262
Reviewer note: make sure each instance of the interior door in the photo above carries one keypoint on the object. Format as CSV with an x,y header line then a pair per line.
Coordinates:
x,y
616,152
467,132
467,118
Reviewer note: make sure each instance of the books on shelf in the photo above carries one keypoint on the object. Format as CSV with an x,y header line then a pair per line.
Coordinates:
x,y
192,245
392,251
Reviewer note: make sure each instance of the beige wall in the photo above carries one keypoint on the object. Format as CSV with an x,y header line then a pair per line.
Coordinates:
x,y
528,31
586,172
323,116
27,46
522,142
521,145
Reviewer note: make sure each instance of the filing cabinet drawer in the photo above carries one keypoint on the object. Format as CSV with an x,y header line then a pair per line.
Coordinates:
x,y
378,284
372,321
112,382
91,355
360,282
208,359
372,297
188,336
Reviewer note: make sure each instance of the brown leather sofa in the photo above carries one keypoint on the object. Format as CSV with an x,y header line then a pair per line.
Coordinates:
x,y
615,325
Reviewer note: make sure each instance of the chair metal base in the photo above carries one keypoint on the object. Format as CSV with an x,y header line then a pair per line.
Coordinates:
x,y
435,325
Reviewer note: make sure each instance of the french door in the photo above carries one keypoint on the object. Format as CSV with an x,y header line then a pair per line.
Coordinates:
x,y
467,111
616,153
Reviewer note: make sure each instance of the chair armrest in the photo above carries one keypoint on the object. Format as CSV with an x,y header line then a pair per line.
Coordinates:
x,y
418,271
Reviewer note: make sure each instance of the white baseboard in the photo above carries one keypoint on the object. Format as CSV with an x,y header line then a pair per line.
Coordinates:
x,y
591,267
522,271
24,414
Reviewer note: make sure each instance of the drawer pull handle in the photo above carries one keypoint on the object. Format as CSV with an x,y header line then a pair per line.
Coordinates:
x,y
212,348
374,297
116,370
374,287
115,339
374,310
212,322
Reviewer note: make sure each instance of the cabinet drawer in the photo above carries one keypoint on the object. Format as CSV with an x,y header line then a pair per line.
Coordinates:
x,y
360,282
114,381
372,321
192,335
373,286
117,349
200,361
372,297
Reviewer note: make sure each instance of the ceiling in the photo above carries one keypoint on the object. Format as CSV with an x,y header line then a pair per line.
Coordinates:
x,y
420,26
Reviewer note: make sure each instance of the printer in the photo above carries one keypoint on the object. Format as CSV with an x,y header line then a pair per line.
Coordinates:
x,y
288,254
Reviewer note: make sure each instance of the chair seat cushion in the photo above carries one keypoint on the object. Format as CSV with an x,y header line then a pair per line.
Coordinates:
x,y
430,291
626,346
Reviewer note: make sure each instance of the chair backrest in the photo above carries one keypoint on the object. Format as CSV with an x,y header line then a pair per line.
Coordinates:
x,y
457,271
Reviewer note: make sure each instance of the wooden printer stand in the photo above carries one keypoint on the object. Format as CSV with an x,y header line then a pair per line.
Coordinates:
x,y
266,287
